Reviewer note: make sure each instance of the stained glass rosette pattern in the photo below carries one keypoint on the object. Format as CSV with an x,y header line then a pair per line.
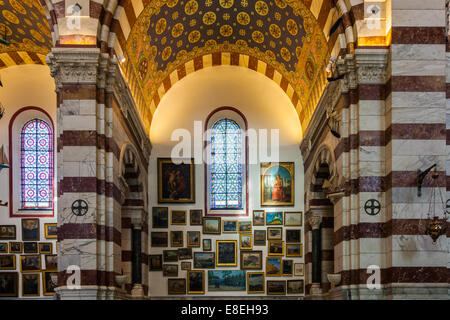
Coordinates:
x,y
37,165
226,166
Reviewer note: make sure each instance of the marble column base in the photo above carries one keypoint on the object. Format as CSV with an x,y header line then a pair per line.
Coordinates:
x,y
398,292
137,292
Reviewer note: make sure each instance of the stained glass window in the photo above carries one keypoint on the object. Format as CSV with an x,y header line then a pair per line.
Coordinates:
x,y
37,165
226,166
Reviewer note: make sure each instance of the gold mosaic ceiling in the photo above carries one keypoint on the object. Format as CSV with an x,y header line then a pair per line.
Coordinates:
x,y
27,30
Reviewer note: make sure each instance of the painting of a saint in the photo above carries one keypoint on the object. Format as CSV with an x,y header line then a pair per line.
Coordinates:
x,y
277,184
175,181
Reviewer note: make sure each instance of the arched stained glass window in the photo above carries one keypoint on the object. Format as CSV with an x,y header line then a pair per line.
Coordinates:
x,y
37,165
226,165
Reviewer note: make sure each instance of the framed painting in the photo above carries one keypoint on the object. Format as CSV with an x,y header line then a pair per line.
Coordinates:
x,y
185,265
277,184
293,250
9,284
30,263
275,233
51,261
176,286
211,225
30,229
275,248
226,280
170,270
45,247
259,238
193,239
251,260
293,236
160,217
273,266
295,286
276,287
274,218
51,230
258,217
245,226
49,287
7,232
293,219
196,282
30,247
176,181
204,260
185,253
178,217
299,269
159,239
195,217
207,245
155,262
245,241
3,247
229,226
170,255
176,239
287,267
8,262
15,247
226,253
255,282
30,284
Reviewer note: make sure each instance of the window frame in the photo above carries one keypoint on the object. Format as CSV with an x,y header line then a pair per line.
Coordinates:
x,y
237,116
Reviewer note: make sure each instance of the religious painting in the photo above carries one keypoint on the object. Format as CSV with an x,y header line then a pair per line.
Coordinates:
x,y
259,238
273,267
277,184
3,247
159,239
170,255
245,241
287,268
45,247
196,217
7,232
155,262
185,253
15,247
30,247
176,181
293,250
292,219
30,229
176,239
8,262
176,286
295,286
30,284
178,217
276,287
185,265
293,235
226,280
229,226
9,284
226,253
258,217
245,226
274,218
255,282
299,269
193,238
30,263
207,246
51,262
211,225
251,260
275,248
49,286
204,260
275,233
170,270
51,230
196,281
160,217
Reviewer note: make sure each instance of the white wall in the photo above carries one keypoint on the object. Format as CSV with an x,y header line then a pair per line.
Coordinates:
x,y
26,85
265,106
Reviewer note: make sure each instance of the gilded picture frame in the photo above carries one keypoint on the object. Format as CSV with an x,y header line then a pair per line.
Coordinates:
x,y
277,184
176,182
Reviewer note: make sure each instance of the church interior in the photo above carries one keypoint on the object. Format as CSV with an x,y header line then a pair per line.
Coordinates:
x,y
224,149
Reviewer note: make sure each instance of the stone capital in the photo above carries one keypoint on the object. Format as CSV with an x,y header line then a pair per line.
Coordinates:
x,y
314,220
